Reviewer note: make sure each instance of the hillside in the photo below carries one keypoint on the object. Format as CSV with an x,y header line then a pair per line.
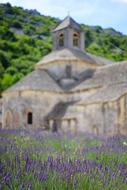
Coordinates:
x,y
25,37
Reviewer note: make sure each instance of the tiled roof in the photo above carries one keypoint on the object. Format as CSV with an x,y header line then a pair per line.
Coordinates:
x,y
68,22
73,55
36,80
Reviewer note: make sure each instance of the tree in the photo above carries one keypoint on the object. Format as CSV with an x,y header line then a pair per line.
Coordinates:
x,y
17,77
1,70
4,60
6,81
16,24
11,70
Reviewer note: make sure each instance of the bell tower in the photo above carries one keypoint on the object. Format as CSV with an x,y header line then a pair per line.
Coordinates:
x,y
68,34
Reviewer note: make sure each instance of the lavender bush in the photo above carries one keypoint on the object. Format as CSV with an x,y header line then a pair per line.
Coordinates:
x,y
36,160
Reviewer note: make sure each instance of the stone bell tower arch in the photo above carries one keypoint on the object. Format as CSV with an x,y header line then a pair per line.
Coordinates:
x,y
68,34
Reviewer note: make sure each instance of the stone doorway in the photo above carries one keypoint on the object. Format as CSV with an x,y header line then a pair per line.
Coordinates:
x,y
95,130
54,124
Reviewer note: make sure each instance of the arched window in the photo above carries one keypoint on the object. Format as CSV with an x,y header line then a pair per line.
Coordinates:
x,y
8,119
61,40
75,39
29,118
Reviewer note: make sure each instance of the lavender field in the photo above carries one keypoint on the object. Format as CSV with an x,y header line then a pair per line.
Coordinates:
x,y
38,160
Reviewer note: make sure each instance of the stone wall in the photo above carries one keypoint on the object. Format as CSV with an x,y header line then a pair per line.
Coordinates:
x,y
1,113
107,118
46,107
58,68
57,111
16,108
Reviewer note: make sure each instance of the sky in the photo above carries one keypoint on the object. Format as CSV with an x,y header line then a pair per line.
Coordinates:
x,y
105,13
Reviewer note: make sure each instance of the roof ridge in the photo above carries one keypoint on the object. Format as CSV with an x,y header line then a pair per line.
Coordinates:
x,y
67,21
51,76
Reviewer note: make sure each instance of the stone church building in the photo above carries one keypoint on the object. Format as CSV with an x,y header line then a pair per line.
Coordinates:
x,y
70,89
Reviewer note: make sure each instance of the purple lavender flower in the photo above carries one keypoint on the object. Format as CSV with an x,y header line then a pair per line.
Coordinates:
x,y
7,177
21,186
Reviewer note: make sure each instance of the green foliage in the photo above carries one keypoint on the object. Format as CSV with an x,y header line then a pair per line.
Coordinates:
x,y
17,77
106,42
25,37
11,70
16,24
4,59
7,81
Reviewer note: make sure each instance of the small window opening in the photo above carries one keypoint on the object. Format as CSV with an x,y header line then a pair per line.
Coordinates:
x,y
61,40
30,118
68,71
75,39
